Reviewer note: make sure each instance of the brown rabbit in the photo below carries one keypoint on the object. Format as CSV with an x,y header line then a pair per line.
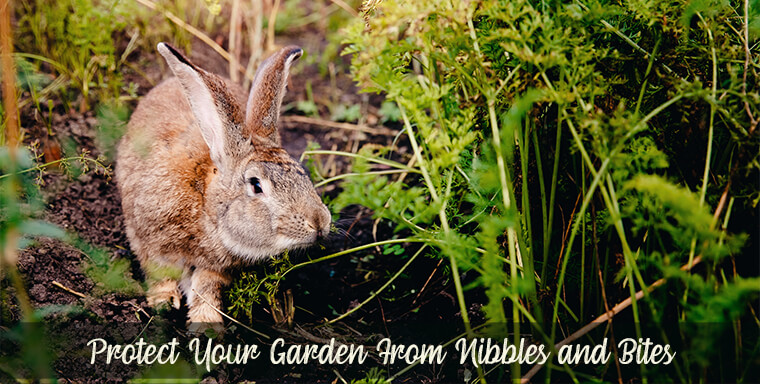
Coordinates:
x,y
206,185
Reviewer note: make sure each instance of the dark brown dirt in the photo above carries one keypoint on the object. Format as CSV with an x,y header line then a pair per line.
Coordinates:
x,y
48,261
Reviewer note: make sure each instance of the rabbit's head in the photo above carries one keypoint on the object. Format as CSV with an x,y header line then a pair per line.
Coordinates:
x,y
262,200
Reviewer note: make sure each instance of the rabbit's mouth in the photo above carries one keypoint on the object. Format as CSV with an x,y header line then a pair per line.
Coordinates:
x,y
255,249
251,250
290,243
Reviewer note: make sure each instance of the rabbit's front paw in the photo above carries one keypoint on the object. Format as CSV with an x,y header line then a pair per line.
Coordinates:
x,y
164,293
202,329
204,317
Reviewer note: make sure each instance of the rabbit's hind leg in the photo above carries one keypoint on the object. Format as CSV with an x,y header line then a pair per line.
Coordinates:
x,y
204,299
163,284
164,292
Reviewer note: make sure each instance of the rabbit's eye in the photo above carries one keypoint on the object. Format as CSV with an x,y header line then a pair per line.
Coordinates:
x,y
256,184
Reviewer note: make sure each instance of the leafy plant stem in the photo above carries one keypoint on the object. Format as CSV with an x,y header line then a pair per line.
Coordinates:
x,y
418,154
583,241
542,190
41,167
524,146
381,289
421,163
9,253
347,251
347,175
646,78
389,163
706,173
511,235
446,344
552,196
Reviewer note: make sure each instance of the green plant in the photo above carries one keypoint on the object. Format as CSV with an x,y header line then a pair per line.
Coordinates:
x,y
112,122
389,112
18,225
518,112
254,286
373,376
342,112
109,274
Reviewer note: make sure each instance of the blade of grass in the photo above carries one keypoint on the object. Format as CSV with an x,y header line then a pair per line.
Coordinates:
x,y
381,289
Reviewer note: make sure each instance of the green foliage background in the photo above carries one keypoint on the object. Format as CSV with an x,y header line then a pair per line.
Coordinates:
x,y
572,153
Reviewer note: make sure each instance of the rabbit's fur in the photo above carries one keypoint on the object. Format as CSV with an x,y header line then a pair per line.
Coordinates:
x,y
206,185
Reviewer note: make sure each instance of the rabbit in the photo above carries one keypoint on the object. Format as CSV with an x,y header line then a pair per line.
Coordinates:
x,y
206,186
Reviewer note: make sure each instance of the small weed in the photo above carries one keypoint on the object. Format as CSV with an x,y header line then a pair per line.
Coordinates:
x,y
373,376
343,112
256,286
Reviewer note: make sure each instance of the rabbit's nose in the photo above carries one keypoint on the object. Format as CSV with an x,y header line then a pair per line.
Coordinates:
x,y
322,221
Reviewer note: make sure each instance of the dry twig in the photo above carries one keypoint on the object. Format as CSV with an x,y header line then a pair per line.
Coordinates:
x,y
69,290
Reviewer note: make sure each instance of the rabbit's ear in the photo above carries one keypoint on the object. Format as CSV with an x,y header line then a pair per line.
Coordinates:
x,y
267,90
217,114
